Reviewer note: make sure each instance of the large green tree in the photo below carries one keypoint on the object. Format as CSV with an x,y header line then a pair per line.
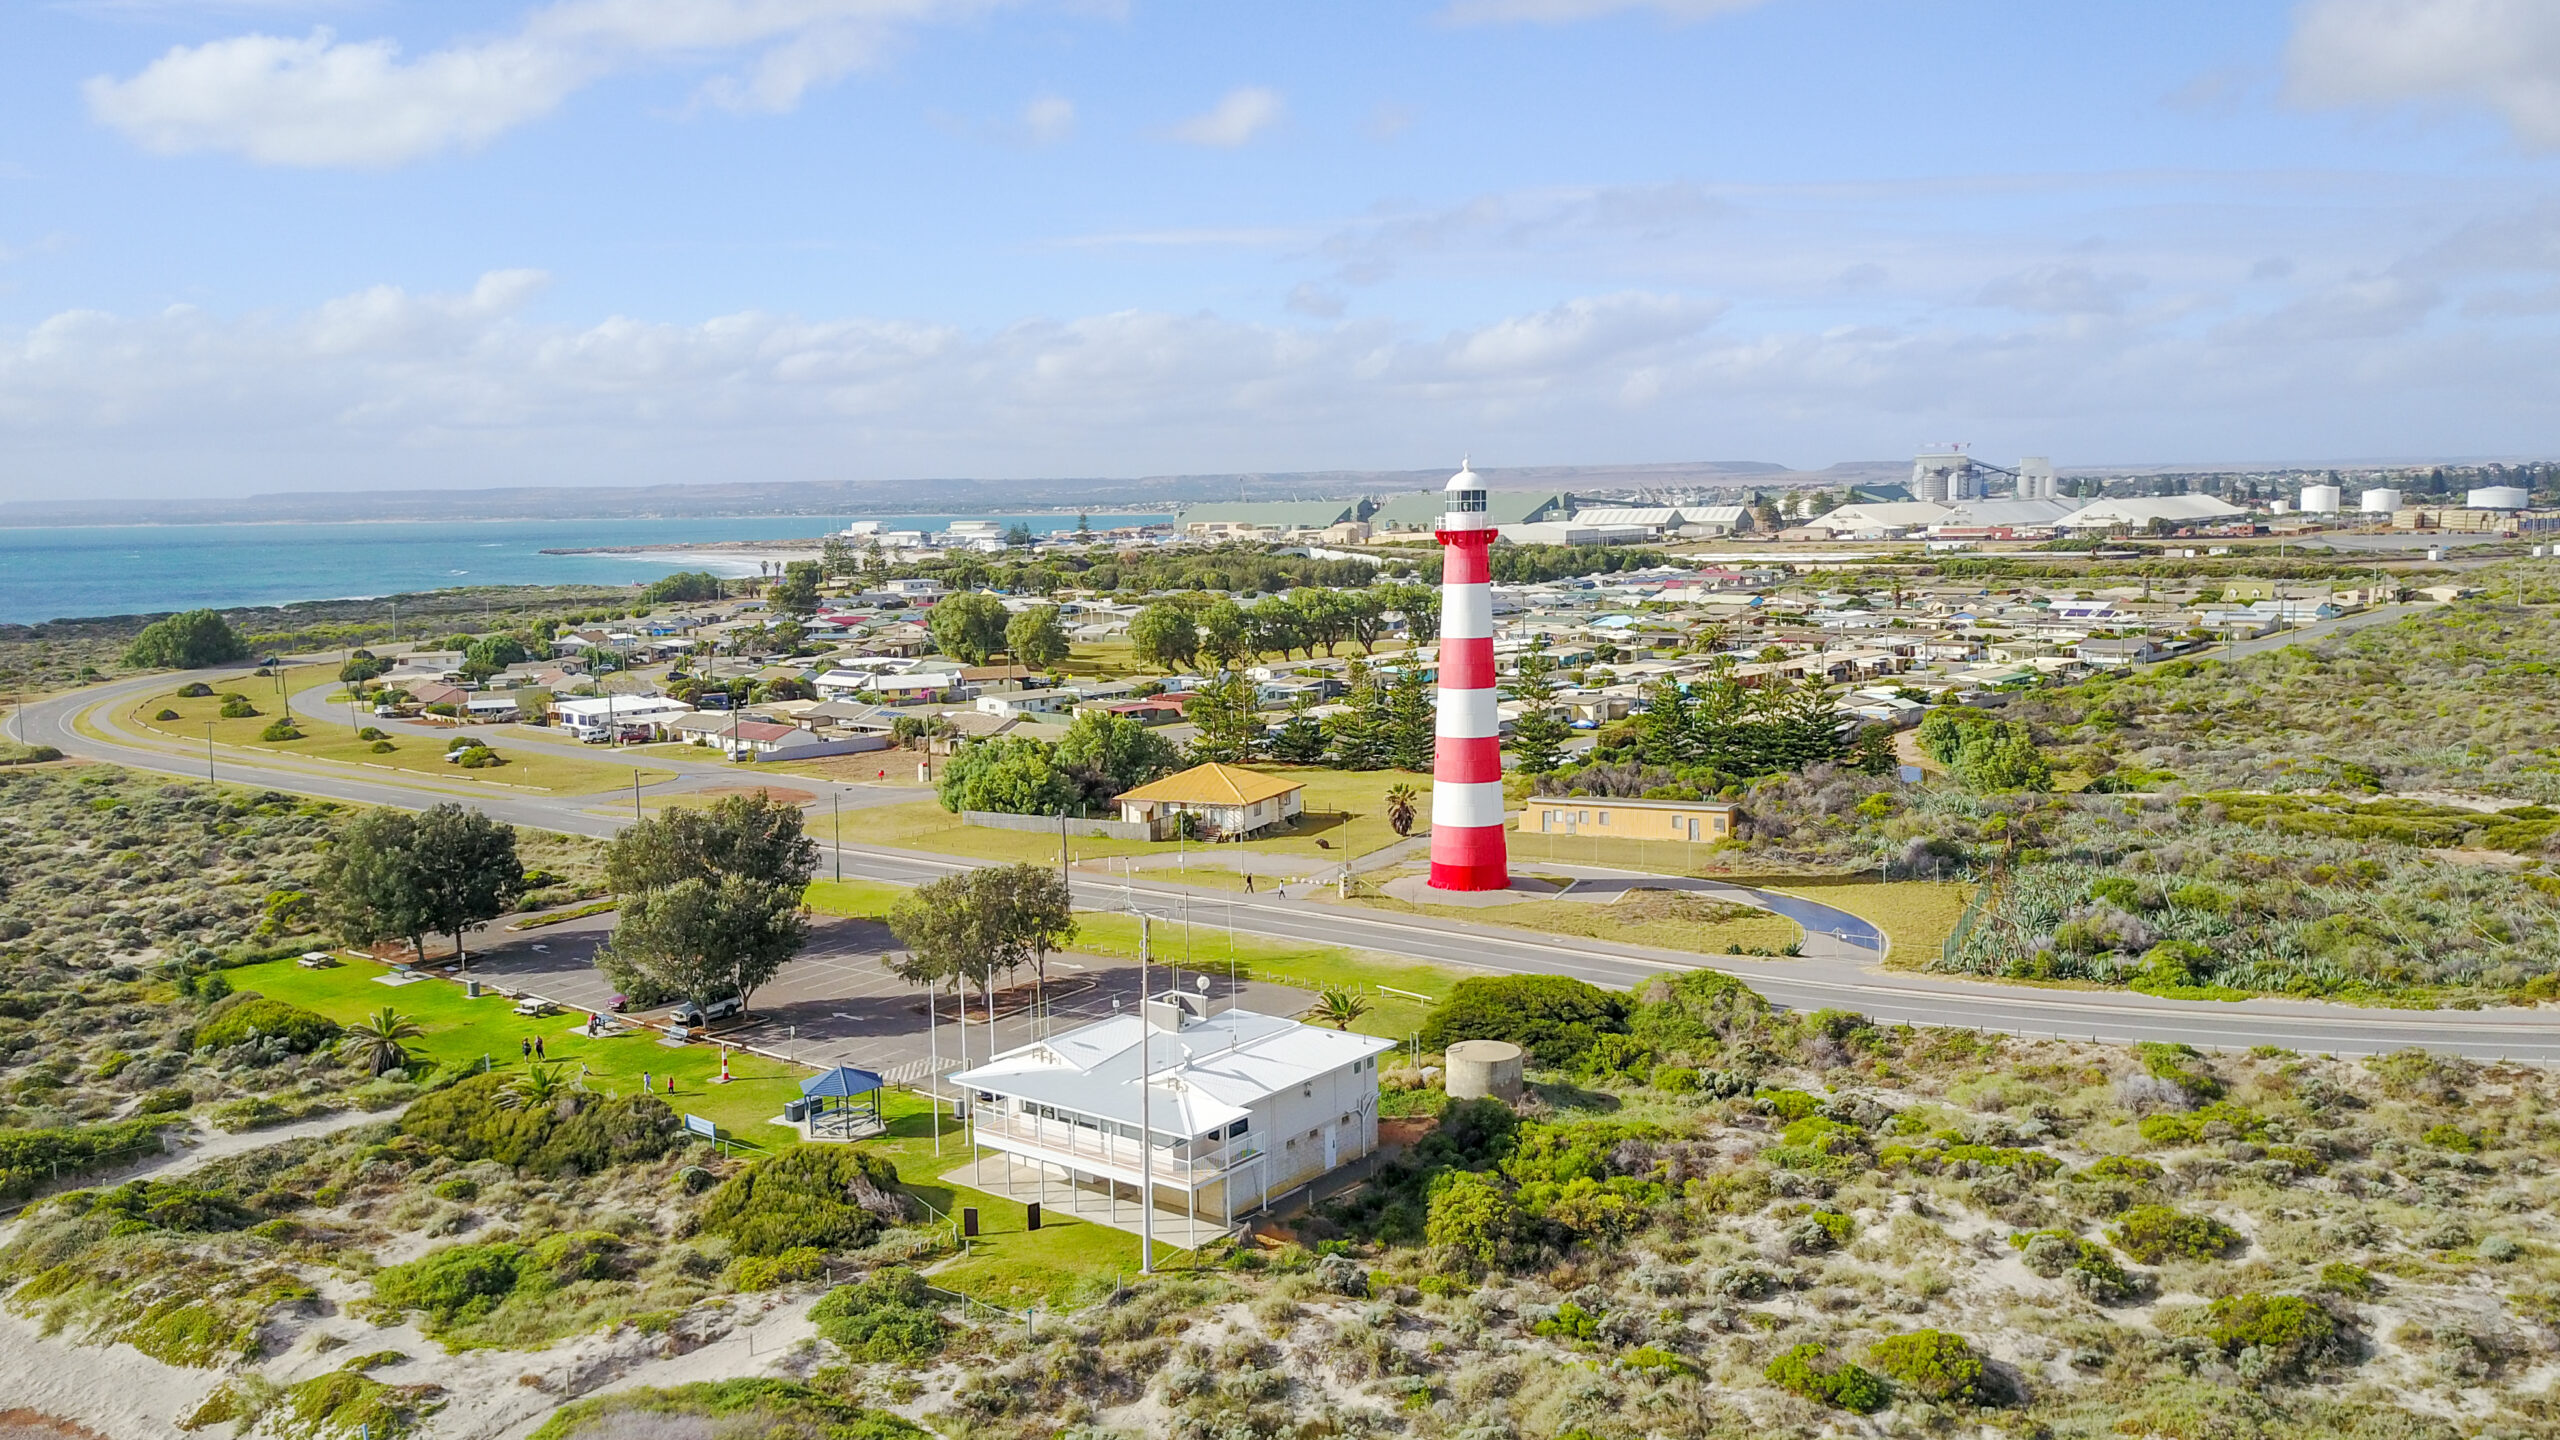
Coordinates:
x,y
467,869
1230,724
1226,634
1411,722
969,628
1165,636
751,835
1035,638
1108,754
188,641
704,939
797,594
965,929
369,885
1009,775
711,898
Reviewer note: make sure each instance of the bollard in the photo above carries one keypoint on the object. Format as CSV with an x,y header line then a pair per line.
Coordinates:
x,y
969,1221
1032,1211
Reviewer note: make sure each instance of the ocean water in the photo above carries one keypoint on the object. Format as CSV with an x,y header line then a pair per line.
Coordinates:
x,y
82,571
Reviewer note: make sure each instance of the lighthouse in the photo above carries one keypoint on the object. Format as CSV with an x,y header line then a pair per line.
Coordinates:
x,y
1467,850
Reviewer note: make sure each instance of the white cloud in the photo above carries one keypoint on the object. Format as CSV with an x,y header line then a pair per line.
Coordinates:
x,y
1049,119
2503,54
1242,114
1566,12
320,101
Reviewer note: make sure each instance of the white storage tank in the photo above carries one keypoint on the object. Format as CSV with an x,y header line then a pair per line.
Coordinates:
x,y
2320,499
1479,1069
2381,502
2498,497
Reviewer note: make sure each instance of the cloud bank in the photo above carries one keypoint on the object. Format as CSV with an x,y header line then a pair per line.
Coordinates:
x,y
2501,54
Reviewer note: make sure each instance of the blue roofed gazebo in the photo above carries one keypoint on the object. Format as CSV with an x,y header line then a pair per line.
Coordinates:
x,y
845,1103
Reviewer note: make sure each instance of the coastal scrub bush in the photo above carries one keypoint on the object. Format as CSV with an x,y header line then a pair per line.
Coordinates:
x,y
236,706
884,1317
1812,1371
819,1196
190,640
2178,1064
2154,1233
2276,1336
249,1016
166,714
1558,1020
2059,1254
1473,1215
579,1134
278,730
725,1407
1936,1365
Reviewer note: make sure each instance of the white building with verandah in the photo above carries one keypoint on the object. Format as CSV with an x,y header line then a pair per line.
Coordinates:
x,y
1243,1108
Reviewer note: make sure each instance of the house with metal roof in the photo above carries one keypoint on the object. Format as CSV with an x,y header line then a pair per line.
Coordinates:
x,y
1206,1115
1231,802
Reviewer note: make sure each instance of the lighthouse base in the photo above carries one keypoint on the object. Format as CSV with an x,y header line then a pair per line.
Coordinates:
x,y
1496,876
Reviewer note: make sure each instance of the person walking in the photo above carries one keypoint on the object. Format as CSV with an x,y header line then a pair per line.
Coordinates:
x,y
524,1047
1248,882
538,1052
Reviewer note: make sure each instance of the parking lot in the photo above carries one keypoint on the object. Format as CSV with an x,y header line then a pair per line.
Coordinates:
x,y
839,1005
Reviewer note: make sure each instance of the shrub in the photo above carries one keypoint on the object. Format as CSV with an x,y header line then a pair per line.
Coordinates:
x,y
2154,1233
168,1100
373,732
166,714
456,1284
236,706
2132,1169
2278,1336
2179,1065
2454,1138
194,690
764,1272
582,1135
726,1407
2340,1278
279,729
1810,1371
2059,1254
1935,1364
816,1196
460,1187
189,640
1558,1020
383,747
1472,1214
248,1016
882,1318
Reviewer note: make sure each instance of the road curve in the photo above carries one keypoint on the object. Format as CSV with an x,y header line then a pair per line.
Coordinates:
x,y
1835,972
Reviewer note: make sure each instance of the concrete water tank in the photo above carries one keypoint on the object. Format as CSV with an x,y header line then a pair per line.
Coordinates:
x,y
2381,502
2320,499
1481,1068
2498,497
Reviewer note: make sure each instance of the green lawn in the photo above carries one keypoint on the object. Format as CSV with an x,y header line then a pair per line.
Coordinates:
x,y
1917,916
1662,919
1066,1261
1204,945
528,767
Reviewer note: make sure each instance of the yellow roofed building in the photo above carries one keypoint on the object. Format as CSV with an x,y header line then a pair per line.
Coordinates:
x,y
1230,802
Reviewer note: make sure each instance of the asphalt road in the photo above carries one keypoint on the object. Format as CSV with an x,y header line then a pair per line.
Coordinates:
x,y
1835,972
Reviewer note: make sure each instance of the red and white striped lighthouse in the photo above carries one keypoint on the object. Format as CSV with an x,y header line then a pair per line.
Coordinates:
x,y
1467,850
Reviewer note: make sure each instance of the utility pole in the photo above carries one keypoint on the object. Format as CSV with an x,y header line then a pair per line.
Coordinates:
x,y
1146,1119
208,752
636,816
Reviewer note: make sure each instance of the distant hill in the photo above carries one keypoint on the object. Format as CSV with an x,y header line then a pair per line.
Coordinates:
x,y
886,497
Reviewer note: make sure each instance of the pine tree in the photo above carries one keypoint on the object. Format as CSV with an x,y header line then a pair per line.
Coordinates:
x,y
1538,735
1230,729
1359,736
1411,721
1299,740
1666,723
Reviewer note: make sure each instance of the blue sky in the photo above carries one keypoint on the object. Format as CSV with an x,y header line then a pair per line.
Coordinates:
x,y
266,244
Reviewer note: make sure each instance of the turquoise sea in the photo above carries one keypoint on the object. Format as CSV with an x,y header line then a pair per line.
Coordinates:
x,y
84,571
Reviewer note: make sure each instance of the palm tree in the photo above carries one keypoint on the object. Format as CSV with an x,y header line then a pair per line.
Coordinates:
x,y
376,1038
1400,800
538,1088
1340,1007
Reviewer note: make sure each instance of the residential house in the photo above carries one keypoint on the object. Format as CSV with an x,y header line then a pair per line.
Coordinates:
x,y
2119,654
1218,1113
1229,802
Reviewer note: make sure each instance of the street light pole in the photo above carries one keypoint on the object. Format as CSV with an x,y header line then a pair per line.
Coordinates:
x,y
838,798
208,752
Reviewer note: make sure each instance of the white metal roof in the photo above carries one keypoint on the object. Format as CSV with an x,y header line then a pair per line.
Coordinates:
x,y
1206,1075
2143,509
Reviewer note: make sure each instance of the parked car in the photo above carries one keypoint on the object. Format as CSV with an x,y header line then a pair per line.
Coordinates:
x,y
692,1013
